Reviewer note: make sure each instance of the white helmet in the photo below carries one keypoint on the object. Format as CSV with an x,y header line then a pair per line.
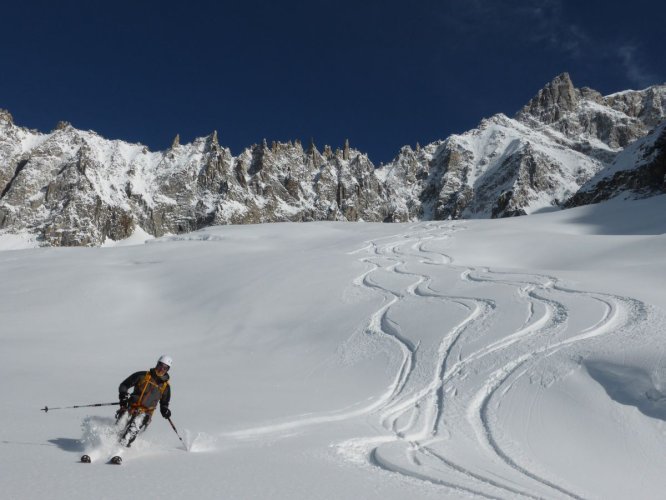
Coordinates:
x,y
166,360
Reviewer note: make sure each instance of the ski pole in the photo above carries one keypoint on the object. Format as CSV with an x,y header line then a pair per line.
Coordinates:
x,y
46,408
174,430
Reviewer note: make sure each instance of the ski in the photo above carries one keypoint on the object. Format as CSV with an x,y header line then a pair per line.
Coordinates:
x,y
116,459
113,459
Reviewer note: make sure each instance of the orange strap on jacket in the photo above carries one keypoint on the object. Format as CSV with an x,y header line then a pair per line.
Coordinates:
x,y
146,381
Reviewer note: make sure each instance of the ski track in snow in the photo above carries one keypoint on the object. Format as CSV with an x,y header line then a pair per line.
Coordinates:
x,y
450,392
422,419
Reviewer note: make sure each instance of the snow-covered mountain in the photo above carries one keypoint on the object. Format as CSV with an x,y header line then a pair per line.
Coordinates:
x,y
639,171
73,187
560,140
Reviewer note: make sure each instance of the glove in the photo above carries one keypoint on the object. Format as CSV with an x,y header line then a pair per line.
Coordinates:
x,y
164,410
123,397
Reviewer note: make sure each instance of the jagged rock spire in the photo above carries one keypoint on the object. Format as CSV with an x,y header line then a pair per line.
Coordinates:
x,y
553,101
6,116
212,144
502,168
176,141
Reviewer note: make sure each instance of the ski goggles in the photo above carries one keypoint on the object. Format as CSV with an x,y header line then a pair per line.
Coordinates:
x,y
162,366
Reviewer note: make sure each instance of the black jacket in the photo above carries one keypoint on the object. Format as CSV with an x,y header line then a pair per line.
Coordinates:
x,y
151,394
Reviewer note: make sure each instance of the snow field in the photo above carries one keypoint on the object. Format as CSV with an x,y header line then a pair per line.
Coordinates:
x,y
516,358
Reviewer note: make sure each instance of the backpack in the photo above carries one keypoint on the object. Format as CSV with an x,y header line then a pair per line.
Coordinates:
x,y
150,393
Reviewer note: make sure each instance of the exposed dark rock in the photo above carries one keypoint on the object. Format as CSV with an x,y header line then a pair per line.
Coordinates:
x,y
553,101
646,180
6,117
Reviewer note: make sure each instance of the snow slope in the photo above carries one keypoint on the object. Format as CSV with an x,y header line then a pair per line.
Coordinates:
x,y
514,358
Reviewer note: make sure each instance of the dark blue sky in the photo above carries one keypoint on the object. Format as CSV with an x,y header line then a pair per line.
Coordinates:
x,y
382,73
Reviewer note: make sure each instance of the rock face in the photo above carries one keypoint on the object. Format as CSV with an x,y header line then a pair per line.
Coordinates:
x,y
585,115
73,187
553,102
638,172
502,168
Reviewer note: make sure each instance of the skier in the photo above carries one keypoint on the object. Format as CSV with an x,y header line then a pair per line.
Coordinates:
x,y
150,388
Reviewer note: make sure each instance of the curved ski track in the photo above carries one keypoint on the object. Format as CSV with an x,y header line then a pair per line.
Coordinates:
x,y
451,389
420,413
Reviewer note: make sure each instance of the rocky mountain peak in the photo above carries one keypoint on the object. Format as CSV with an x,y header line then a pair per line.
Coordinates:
x,y
639,171
6,117
649,106
553,101
76,188
599,125
62,125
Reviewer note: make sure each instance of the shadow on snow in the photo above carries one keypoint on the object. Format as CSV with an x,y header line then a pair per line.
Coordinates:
x,y
629,385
